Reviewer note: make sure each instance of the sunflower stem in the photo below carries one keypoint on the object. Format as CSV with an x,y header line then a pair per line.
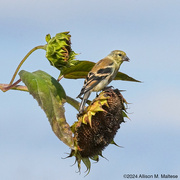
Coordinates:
x,y
23,60
72,102
60,77
5,87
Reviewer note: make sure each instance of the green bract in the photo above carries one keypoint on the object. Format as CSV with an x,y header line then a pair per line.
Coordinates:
x,y
58,50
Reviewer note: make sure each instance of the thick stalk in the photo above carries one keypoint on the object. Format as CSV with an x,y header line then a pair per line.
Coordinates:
x,y
4,87
60,77
72,102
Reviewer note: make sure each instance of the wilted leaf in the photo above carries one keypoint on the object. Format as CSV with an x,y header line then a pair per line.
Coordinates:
x,y
51,97
82,68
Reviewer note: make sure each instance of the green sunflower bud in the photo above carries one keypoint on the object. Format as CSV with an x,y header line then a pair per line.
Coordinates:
x,y
58,50
96,128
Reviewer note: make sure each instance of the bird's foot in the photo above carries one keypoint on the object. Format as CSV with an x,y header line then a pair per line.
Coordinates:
x,y
81,112
97,94
107,87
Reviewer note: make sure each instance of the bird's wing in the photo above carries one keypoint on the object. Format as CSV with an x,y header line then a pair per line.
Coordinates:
x,y
90,82
95,76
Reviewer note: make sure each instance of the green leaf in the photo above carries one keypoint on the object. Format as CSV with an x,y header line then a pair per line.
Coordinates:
x,y
124,77
82,68
51,97
79,70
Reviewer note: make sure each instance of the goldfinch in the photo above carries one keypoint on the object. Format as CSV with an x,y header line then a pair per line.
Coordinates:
x,y
101,75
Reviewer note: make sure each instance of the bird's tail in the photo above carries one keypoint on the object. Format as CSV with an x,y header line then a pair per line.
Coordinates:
x,y
83,102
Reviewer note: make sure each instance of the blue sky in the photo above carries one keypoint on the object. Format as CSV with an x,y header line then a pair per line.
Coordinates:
x,y
148,31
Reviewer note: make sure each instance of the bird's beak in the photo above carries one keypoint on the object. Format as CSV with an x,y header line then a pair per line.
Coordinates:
x,y
126,58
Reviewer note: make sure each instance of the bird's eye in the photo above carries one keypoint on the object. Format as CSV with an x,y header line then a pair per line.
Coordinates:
x,y
120,54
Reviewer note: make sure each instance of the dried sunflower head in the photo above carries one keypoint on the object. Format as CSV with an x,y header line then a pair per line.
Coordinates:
x,y
96,128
